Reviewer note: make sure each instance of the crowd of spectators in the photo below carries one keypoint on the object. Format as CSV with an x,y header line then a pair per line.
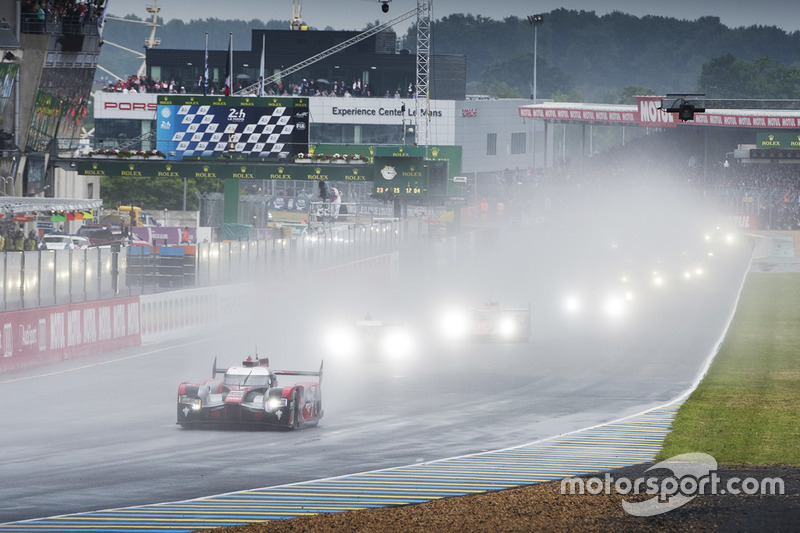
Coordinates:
x,y
769,190
340,89
304,87
142,84
36,14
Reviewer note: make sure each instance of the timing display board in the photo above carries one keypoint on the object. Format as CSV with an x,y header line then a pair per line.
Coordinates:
x,y
232,128
405,178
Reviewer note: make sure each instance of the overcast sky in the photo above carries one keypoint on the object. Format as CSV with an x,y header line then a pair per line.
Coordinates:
x,y
355,14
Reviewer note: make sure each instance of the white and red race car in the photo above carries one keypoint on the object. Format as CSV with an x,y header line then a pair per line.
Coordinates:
x,y
488,323
250,395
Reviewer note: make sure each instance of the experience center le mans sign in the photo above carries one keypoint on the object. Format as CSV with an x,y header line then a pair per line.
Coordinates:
x,y
234,170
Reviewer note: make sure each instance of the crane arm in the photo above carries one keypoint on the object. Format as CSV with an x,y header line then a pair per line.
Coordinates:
x,y
251,89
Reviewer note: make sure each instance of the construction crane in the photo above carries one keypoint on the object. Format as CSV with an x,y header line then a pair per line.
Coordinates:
x,y
423,100
297,15
150,42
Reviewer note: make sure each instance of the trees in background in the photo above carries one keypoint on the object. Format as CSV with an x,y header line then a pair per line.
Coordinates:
x,y
579,52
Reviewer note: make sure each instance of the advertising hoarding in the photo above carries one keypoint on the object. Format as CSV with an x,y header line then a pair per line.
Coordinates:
x,y
216,127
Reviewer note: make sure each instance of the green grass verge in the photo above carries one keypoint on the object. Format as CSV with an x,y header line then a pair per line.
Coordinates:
x,y
746,410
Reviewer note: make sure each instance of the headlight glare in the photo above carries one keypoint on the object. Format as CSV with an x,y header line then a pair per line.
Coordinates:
x,y
507,327
194,403
455,324
273,404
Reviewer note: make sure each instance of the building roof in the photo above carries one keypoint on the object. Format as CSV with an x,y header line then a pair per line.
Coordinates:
x,y
10,204
647,113
7,37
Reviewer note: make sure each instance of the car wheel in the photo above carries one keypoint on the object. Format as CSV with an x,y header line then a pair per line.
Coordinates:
x,y
297,409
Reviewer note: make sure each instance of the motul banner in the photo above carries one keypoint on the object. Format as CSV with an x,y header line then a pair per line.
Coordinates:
x,y
37,336
616,114
650,115
748,222
646,113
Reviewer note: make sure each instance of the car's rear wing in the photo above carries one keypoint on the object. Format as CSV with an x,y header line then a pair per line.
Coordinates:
x,y
300,372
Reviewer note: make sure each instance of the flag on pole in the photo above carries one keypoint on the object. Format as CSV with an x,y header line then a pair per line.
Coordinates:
x,y
101,20
205,72
261,75
229,67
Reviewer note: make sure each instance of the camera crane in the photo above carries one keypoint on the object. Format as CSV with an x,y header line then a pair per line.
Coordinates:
x,y
423,14
150,42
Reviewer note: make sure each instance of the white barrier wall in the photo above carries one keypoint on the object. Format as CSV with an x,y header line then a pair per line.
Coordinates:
x,y
169,313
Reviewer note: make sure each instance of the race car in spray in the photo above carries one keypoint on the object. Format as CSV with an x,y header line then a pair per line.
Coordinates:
x,y
249,394
488,323
369,339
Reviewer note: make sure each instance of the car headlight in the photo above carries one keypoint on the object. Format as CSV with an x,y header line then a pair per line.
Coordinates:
x,y
273,404
614,306
507,327
397,343
341,342
455,324
194,403
572,304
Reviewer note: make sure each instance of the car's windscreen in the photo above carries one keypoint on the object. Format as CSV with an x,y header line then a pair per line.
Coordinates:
x,y
57,239
249,380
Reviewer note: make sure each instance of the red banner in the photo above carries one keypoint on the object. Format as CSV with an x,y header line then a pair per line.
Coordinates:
x,y
37,336
646,113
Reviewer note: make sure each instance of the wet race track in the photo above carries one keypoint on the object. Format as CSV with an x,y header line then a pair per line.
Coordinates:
x,y
100,432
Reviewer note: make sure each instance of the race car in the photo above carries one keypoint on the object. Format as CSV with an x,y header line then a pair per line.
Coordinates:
x,y
250,395
489,323
369,338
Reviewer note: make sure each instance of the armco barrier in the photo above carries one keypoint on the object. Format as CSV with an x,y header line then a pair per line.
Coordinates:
x,y
171,312
51,334
38,336
382,269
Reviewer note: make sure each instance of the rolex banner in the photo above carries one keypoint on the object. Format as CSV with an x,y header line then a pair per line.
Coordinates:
x,y
234,170
778,140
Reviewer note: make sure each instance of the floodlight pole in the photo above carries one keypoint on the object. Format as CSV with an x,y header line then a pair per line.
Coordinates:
x,y
535,57
535,21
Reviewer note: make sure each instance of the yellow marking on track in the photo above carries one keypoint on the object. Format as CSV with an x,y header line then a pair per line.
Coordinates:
x,y
553,450
337,495
569,445
617,438
427,487
256,510
505,470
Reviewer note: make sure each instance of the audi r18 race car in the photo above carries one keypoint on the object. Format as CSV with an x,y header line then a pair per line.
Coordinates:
x,y
370,338
489,323
250,395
